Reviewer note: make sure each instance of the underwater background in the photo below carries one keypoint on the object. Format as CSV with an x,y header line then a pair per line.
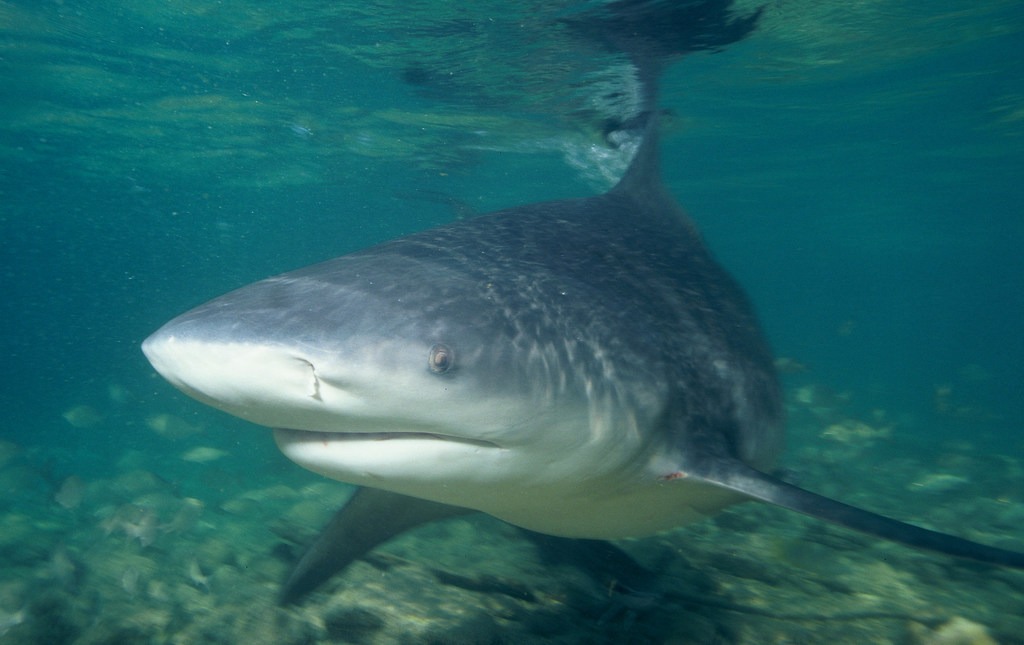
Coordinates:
x,y
859,167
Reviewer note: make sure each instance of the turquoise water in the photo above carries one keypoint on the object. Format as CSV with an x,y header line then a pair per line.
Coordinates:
x,y
857,166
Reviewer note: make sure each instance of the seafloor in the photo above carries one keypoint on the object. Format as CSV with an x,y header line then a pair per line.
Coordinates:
x,y
131,558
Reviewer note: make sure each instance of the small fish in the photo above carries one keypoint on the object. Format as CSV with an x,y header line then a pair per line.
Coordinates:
x,y
171,427
130,581
300,131
144,530
186,517
788,365
204,454
64,569
939,483
118,393
71,493
196,576
135,522
82,416
7,621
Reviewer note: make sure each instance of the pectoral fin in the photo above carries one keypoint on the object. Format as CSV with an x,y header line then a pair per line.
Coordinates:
x,y
369,518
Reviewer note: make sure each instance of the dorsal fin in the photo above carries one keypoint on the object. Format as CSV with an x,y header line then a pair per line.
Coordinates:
x,y
653,33
644,172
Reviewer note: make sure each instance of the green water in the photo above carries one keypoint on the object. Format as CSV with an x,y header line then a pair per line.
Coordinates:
x,y
856,165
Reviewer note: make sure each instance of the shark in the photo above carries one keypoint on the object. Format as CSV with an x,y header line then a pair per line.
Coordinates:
x,y
581,368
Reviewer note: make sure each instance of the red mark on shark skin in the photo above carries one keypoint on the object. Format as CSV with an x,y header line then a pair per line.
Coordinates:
x,y
672,476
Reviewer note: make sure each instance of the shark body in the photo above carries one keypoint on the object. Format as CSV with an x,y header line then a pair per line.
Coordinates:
x,y
579,368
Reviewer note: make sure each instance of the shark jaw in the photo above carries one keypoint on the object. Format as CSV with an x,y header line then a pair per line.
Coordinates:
x,y
381,457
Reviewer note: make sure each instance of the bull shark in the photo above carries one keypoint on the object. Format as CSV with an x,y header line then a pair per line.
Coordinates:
x,y
580,368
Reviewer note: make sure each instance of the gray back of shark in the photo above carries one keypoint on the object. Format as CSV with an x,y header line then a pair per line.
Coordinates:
x,y
581,368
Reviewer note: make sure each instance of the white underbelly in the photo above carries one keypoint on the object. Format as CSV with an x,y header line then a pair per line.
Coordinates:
x,y
637,513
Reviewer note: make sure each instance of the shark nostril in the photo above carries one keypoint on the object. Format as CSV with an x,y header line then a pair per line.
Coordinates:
x,y
315,389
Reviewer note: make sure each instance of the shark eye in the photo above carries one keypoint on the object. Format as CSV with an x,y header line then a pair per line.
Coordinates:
x,y
441,359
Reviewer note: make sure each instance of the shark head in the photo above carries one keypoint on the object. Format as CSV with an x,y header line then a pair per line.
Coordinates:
x,y
408,372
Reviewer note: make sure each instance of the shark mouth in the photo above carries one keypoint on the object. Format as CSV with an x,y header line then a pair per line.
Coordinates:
x,y
325,437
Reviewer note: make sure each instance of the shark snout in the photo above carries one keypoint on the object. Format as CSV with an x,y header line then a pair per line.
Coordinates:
x,y
261,382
